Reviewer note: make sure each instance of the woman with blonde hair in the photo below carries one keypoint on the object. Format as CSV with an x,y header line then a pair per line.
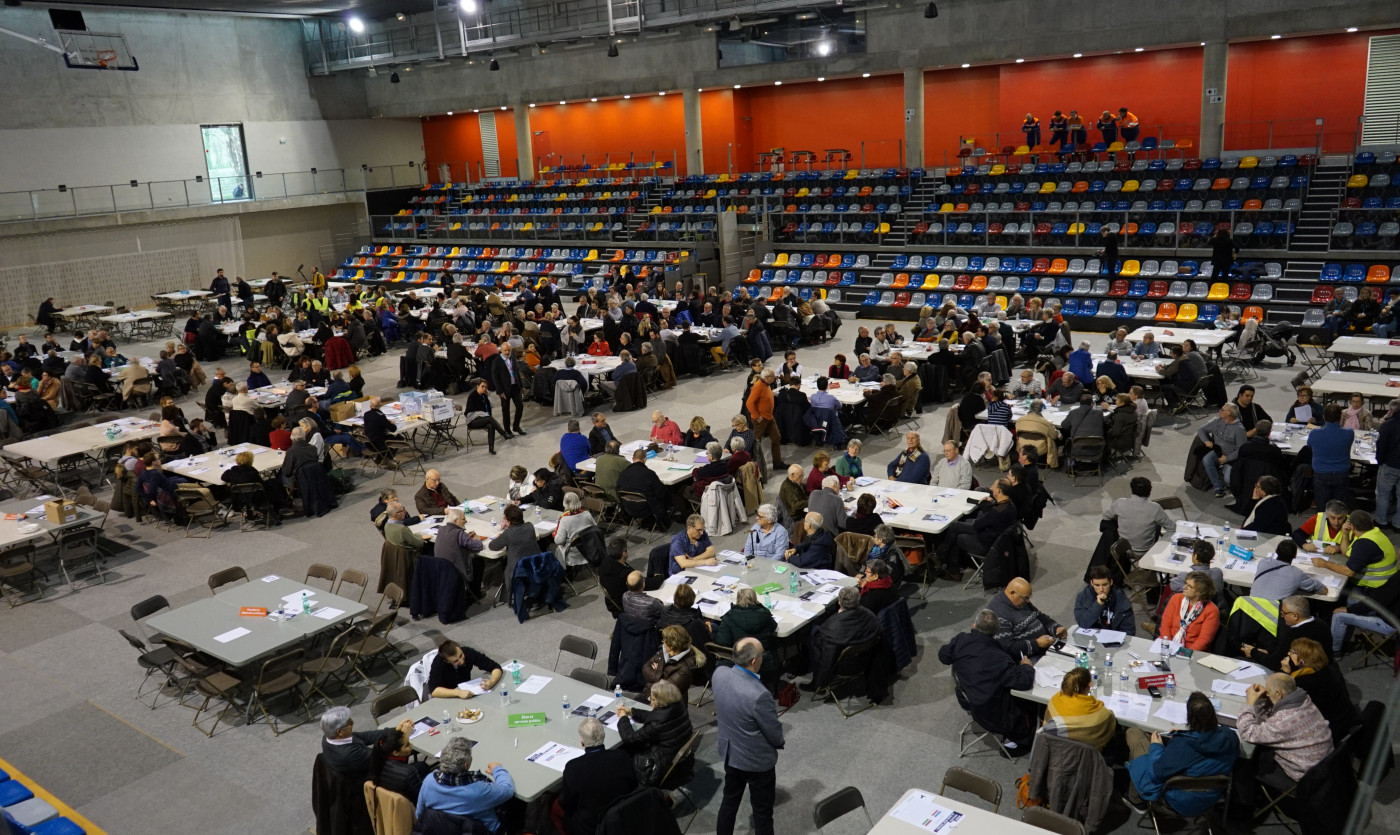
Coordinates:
x,y
677,662
1075,713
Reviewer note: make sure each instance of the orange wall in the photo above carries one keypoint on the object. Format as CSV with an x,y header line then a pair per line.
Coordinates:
x,y
1290,81
1293,81
833,114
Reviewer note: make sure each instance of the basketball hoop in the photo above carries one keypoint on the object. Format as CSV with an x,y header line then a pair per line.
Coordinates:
x,y
105,57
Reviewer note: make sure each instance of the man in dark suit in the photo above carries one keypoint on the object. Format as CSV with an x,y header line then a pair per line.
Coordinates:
x,y
592,782
504,376
378,427
973,355
818,549
600,434
750,737
1295,621
639,478
347,752
987,674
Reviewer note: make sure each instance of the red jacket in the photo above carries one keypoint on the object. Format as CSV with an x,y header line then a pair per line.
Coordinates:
x,y
1200,634
760,401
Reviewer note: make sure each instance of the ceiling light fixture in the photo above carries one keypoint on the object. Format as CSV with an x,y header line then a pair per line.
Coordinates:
x,y
532,104
824,47
544,48
736,86
449,113
1079,55
965,66
476,110
1138,49
468,6
503,107
495,65
821,78
865,75
662,93
561,102
1274,37
356,25
401,17
930,11
1020,60
1351,28
592,99
612,50
777,83
627,97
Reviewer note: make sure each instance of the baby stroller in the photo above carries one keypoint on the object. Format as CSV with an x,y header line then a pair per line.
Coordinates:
x,y
1276,340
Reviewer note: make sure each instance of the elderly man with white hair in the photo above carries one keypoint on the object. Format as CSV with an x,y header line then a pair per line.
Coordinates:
x,y
1223,438
1118,342
817,550
766,539
592,782
455,790
826,502
346,751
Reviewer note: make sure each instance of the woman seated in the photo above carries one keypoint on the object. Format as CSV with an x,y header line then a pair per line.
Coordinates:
x,y
877,587
1204,749
682,613
1075,713
677,662
1322,680
865,520
839,370
1304,411
663,732
698,435
1190,617
748,618
884,549
821,468
390,767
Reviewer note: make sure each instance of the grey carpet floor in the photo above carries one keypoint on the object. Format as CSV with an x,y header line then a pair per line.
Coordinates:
x,y
67,716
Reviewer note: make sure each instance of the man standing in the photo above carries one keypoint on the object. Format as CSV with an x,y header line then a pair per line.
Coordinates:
x,y
1331,451
1388,456
750,737
505,380
760,405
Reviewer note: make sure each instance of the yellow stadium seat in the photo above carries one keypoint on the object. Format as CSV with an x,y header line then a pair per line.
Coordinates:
x,y
1187,314
1130,268
1219,291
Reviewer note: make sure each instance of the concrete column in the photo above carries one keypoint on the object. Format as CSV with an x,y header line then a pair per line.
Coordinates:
x,y
914,117
524,142
694,138
1214,63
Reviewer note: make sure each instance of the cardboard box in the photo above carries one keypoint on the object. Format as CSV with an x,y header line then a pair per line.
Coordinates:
x,y
60,511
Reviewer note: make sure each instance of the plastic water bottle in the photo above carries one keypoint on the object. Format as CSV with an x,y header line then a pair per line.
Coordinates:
x,y
1082,660
505,697
792,583
305,603
768,601
1093,679
515,673
617,691
1123,678
1093,648
1171,687
566,707
446,721
1108,672
1228,539
1166,651
537,513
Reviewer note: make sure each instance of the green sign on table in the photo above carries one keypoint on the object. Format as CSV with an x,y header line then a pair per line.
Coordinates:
x,y
520,720
767,587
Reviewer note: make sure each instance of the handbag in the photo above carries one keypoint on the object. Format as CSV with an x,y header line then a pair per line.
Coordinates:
x,y
788,695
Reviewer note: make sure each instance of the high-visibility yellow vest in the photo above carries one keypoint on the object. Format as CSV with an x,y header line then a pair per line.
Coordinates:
x,y
1320,529
1377,573
1263,610
322,304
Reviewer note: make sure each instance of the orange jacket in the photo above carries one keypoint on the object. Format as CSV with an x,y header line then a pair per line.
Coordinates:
x,y
1200,634
599,349
760,401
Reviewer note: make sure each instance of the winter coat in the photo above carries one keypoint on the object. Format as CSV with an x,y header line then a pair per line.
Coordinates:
x,y
680,670
654,743
751,622
1189,754
1072,778
722,507
634,640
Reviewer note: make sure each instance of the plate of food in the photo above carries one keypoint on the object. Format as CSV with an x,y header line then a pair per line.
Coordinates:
x,y
469,716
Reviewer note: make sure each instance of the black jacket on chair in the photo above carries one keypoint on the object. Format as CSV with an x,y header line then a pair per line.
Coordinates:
x,y
338,801
437,590
634,641
591,784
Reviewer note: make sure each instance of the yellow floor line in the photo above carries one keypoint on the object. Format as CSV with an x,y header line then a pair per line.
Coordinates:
x,y
63,809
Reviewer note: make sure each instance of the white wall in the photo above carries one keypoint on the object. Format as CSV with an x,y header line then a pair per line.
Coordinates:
x,y
44,158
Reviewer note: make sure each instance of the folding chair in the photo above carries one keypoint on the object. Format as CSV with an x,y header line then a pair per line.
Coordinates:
x,y
686,752
581,647
159,660
1086,453
591,677
838,805
219,579
1042,818
279,676
972,727
77,552
1194,399
1218,783
972,783
393,700
1377,649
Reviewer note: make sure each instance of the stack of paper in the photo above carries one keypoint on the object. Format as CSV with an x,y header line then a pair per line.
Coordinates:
x,y
534,684
1172,712
1048,675
1229,688
922,810
1248,670
1129,707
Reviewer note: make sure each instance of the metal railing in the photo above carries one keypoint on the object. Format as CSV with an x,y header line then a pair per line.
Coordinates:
x,y
575,227
136,196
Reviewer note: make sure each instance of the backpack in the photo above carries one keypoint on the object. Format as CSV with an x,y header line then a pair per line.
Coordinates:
x,y
1023,793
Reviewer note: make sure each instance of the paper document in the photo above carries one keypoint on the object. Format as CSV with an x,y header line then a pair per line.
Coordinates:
x,y
827,575
1248,670
422,726
922,810
864,481
232,634
534,684
1103,636
270,578
1130,707
1228,688
599,701
327,613
713,569
1173,712
1048,675
714,609
791,606
295,597
732,557
475,686
554,755
1156,649
946,494
725,580
478,507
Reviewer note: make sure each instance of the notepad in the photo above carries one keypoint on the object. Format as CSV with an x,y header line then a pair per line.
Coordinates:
x,y
1248,670
327,613
1173,712
232,635
1219,663
1228,688
475,686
